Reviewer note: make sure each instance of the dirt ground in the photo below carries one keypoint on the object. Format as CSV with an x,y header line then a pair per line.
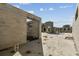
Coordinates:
x,y
58,44
33,48
49,45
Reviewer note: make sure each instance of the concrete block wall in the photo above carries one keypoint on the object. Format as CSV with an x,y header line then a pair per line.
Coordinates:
x,y
12,27
75,29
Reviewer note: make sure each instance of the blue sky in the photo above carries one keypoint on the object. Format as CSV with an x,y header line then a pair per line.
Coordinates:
x,y
59,13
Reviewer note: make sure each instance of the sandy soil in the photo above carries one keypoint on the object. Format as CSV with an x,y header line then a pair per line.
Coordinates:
x,y
52,45
57,45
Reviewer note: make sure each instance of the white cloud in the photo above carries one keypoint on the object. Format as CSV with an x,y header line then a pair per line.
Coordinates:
x,y
65,6
31,11
17,6
24,3
41,9
47,9
51,9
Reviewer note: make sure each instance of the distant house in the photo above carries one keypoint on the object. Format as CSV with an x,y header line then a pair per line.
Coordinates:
x,y
67,29
47,27
43,26
58,30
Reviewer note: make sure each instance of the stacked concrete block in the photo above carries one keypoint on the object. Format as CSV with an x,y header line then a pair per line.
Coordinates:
x,y
12,27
